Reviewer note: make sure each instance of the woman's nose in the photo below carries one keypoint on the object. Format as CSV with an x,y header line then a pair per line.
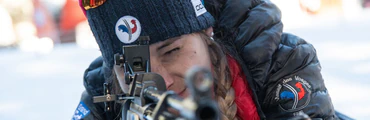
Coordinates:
x,y
159,69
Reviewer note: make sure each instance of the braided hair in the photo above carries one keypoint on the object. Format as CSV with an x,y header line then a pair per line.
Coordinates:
x,y
224,93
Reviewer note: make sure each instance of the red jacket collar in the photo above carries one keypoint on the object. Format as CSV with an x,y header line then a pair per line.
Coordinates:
x,y
243,94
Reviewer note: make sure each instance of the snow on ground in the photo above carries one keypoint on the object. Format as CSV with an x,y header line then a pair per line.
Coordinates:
x,y
42,87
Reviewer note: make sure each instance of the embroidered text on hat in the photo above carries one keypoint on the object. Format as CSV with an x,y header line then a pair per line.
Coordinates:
x,y
198,7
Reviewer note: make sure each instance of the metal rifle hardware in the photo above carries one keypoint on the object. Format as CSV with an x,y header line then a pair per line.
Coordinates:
x,y
148,99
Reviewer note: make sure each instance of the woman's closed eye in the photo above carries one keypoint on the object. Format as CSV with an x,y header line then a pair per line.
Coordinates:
x,y
172,51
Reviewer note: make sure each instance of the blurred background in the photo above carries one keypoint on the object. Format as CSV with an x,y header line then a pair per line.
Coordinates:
x,y
45,46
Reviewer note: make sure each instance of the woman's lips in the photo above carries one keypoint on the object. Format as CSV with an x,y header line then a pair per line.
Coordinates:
x,y
183,93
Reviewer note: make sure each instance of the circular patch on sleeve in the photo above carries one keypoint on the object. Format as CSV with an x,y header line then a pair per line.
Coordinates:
x,y
128,29
293,94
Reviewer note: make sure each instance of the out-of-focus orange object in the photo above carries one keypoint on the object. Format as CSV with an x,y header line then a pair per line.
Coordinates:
x,y
88,4
318,6
71,15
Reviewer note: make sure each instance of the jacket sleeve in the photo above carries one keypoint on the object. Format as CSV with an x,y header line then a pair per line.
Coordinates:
x,y
295,82
253,29
93,82
283,69
87,110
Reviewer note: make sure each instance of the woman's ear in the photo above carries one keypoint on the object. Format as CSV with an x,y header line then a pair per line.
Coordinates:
x,y
209,32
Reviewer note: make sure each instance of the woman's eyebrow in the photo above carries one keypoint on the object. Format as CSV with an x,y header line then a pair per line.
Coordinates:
x,y
168,42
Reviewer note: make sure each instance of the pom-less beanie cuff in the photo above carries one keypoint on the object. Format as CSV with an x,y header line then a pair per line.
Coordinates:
x,y
158,19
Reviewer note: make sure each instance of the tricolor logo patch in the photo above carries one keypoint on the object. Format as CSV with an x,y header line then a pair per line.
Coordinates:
x,y
128,29
293,94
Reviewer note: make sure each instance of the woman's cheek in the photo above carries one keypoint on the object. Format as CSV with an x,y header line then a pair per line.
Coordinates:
x,y
199,59
175,60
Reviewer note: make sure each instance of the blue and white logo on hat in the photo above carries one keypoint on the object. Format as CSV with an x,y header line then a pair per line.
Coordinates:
x,y
128,29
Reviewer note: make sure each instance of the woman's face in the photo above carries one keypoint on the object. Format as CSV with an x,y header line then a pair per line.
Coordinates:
x,y
173,57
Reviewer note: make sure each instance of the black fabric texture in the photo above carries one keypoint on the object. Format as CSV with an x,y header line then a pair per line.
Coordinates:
x,y
252,31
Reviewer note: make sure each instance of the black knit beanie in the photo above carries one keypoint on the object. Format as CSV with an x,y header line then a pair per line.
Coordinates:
x,y
116,23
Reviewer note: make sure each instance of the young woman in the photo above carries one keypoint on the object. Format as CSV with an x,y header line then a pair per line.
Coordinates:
x,y
259,72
